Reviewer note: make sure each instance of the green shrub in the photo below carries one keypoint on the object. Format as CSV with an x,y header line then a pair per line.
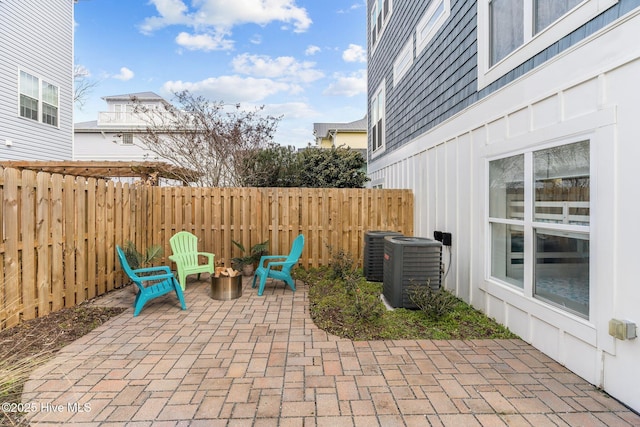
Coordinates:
x,y
434,303
341,264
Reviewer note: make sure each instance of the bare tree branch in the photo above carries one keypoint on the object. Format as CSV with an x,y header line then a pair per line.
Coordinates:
x,y
82,85
205,136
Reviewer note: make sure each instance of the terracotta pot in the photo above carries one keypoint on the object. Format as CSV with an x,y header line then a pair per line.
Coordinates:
x,y
247,270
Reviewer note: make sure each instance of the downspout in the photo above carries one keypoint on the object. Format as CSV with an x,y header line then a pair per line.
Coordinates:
x,y
334,136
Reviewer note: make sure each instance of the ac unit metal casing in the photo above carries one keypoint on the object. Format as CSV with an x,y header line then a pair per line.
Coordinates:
x,y
409,262
374,253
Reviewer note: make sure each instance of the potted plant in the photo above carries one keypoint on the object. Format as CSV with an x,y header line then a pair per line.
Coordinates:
x,y
247,262
138,259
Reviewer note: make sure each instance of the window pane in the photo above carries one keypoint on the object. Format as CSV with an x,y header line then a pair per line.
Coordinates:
x,y
506,26
49,94
28,107
562,184
127,139
545,12
562,270
29,85
374,24
374,15
49,115
432,20
507,253
506,188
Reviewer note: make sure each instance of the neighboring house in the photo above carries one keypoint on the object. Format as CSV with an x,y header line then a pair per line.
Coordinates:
x,y
516,125
36,80
353,134
115,135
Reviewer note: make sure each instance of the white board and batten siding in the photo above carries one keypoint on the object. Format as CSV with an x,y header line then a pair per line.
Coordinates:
x,y
36,37
590,92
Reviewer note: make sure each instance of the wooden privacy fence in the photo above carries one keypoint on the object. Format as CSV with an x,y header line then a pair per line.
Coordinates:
x,y
58,235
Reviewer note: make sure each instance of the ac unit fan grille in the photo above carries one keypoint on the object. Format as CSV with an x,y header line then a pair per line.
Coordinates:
x,y
408,265
373,254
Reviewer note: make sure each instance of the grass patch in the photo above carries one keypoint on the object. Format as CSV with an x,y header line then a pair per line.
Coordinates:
x,y
350,307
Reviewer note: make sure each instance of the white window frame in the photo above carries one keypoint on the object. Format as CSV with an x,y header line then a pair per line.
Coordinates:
x,y
530,226
373,17
127,138
378,115
377,183
40,98
533,44
431,22
403,61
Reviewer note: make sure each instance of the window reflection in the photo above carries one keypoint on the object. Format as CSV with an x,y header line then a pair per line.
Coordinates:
x,y
562,184
562,270
507,253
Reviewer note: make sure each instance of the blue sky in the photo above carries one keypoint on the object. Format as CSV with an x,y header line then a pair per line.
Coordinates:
x,y
303,59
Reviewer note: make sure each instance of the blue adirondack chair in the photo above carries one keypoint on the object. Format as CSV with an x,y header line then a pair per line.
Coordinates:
x,y
279,270
162,282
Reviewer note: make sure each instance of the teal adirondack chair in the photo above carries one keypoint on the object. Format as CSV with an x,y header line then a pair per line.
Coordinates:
x,y
279,270
162,282
184,246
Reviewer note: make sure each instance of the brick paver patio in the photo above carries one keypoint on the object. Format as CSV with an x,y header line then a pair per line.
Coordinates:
x,y
260,361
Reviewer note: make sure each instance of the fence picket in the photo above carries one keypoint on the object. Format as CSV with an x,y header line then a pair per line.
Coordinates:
x,y
28,230
91,256
82,283
11,280
43,236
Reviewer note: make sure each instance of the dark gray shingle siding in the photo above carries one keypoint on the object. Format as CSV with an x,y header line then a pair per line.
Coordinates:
x,y
443,78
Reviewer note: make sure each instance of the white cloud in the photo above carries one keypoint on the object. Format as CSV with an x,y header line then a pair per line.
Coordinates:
x,y
171,12
125,74
291,110
311,50
354,6
81,71
354,53
230,89
224,14
204,42
283,67
348,85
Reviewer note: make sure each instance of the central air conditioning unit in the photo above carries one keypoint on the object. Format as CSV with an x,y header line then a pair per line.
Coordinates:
x,y
374,252
409,262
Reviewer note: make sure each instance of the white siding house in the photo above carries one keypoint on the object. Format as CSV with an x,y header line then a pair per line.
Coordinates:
x,y
115,134
522,141
36,80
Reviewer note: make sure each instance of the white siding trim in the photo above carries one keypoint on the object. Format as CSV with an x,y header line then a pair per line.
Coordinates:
x,y
424,34
403,61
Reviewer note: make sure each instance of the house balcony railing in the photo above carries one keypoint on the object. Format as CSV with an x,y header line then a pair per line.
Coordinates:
x,y
129,118
120,118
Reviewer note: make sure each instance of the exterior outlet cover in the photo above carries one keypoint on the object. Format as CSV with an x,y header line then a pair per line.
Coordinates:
x,y
622,329
446,239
